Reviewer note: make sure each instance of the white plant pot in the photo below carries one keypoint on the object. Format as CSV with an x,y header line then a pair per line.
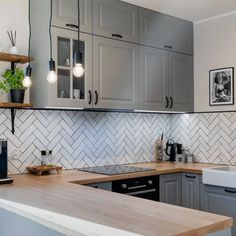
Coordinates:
x,y
14,50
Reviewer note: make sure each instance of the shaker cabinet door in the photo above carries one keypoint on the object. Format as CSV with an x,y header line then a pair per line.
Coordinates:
x,y
153,79
220,201
191,191
70,91
163,31
170,189
115,19
65,14
115,74
181,82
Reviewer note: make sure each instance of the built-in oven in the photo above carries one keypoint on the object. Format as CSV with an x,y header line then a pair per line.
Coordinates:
x,y
144,187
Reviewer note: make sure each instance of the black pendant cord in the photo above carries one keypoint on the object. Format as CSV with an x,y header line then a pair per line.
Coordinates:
x,y
78,48
50,32
29,42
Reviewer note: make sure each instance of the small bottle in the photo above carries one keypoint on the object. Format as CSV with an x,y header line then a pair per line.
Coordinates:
x,y
46,157
188,156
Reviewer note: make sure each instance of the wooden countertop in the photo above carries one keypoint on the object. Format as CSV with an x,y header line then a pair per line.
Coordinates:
x,y
160,169
144,217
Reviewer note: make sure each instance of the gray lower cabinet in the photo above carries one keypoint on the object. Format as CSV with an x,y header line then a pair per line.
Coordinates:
x,y
219,200
191,190
65,14
163,31
171,189
115,74
115,19
180,82
165,80
104,186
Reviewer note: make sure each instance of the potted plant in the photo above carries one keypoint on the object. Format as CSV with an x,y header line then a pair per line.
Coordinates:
x,y
12,82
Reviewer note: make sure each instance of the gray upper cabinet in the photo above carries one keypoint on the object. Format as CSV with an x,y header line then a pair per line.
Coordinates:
x,y
153,79
191,190
220,201
170,189
119,72
62,93
163,31
115,74
65,14
115,19
165,80
180,82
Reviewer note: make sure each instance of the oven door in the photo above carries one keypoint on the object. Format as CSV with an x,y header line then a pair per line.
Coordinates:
x,y
150,194
144,187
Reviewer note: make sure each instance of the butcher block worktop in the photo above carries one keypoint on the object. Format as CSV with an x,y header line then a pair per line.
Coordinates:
x,y
160,169
60,195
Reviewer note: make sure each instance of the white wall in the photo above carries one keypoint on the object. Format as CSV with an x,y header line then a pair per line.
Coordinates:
x,y
13,15
214,47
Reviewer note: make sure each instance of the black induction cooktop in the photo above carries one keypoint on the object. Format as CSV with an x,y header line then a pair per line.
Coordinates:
x,y
115,169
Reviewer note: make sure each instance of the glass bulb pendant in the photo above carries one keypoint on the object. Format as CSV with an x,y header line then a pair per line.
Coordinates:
x,y
52,76
78,70
27,80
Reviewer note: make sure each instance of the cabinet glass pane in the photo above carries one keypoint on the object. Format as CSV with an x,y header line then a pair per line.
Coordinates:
x,y
63,84
79,83
63,52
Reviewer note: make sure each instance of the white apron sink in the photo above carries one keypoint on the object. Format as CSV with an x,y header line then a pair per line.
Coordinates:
x,y
221,176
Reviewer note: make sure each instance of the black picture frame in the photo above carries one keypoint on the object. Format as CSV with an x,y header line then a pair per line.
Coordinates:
x,y
221,86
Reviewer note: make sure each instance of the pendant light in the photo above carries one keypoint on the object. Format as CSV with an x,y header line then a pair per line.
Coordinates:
x,y
78,70
27,80
52,76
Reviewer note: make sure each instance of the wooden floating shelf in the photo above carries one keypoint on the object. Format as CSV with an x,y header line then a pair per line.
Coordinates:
x,y
7,57
14,105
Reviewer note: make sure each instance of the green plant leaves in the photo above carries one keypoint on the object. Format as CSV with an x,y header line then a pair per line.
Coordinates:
x,y
12,80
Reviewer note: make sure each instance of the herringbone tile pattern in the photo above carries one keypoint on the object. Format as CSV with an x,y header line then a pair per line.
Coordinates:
x,y
210,136
81,139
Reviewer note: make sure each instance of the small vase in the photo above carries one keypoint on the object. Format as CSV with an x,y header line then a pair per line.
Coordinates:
x,y
17,95
14,50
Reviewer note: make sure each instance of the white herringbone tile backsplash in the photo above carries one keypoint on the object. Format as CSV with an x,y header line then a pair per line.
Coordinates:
x,y
81,139
211,137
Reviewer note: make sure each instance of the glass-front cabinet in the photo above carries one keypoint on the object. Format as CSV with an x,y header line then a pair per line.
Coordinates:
x,y
70,91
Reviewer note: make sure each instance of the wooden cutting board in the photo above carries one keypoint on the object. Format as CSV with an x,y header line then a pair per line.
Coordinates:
x,y
47,169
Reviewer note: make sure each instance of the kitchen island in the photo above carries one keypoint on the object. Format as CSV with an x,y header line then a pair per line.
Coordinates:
x,y
126,215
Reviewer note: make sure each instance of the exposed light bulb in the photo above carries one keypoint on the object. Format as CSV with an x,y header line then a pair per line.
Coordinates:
x,y
52,76
27,82
78,70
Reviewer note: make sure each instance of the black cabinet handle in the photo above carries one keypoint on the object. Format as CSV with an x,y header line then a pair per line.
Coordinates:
x,y
190,176
117,36
171,102
167,102
90,97
168,47
96,101
72,26
230,191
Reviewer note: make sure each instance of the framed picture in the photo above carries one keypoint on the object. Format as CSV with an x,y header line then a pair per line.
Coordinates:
x,y
221,84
